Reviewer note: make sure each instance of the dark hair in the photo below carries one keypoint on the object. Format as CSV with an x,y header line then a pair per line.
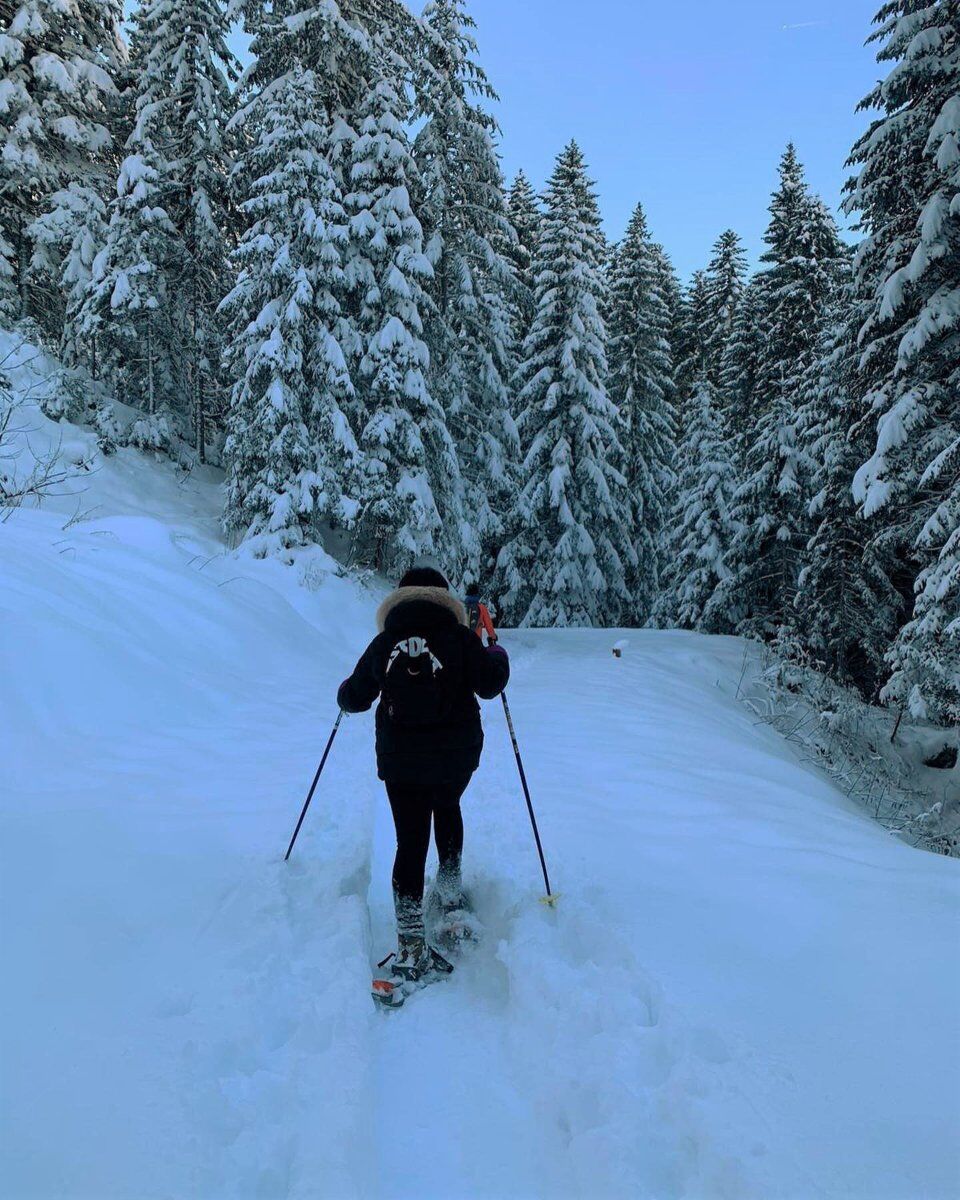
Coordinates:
x,y
424,577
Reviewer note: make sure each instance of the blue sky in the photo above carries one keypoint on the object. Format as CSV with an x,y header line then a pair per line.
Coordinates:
x,y
684,105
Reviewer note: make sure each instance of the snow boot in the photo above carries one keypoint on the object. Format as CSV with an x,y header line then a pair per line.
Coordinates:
x,y
416,960
414,966
451,919
413,957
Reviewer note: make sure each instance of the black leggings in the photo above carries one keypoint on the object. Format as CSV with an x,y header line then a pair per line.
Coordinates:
x,y
413,806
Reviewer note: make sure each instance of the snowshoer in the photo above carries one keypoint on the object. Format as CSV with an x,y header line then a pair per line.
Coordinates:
x,y
427,666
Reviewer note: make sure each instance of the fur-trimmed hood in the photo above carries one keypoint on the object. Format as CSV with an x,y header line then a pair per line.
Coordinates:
x,y
430,595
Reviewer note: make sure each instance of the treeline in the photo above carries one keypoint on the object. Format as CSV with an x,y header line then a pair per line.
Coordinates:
x,y
312,272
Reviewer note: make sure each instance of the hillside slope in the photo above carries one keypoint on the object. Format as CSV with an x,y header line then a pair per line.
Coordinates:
x,y
747,990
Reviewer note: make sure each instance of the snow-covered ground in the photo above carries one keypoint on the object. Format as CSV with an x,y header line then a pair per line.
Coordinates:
x,y
748,989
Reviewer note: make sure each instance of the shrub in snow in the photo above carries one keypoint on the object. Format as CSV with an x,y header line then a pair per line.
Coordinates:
x,y
27,475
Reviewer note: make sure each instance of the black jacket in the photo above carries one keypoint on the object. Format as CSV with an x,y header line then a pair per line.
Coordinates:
x,y
439,753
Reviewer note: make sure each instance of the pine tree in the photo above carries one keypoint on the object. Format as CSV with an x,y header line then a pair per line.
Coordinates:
x,y
290,451
132,304
847,607
641,387
739,364
668,286
571,546
907,194
404,480
162,272
409,488
703,527
724,284
67,238
463,209
523,210
57,61
346,45
690,339
926,656
803,269
186,101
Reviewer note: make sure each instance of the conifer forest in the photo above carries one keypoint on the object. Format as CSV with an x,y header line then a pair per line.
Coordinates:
x,y
309,270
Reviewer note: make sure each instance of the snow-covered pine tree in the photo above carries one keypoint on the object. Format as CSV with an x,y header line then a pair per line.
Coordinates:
x,y
847,607
668,286
183,101
160,276
926,655
641,387
187,73
464,214
804,264
523,211
723,290
907,194
336,45
571,546
739,363
409,488
67,238
703,529
57,61
290,451
132,305
690,339
347,45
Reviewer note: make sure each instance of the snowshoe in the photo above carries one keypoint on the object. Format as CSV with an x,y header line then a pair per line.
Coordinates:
x,y
453,923
414,966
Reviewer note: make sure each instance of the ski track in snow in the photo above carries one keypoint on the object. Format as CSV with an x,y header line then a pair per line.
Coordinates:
x,y
745,990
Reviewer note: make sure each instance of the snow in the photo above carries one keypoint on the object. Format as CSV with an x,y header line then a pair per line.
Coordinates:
x,y
747,989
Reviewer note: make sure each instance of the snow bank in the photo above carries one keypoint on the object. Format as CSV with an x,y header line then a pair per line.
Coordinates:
x,y
747,990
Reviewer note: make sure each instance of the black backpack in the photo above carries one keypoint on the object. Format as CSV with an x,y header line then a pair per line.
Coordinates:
x,y
418,688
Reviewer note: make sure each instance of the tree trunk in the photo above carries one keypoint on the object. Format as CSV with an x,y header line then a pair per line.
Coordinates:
x,y
151,397
21,253
199,414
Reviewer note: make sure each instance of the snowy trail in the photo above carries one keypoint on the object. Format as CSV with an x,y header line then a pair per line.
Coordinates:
x,y
748,989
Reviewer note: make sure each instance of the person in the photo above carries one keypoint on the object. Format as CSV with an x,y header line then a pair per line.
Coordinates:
x,y
427,667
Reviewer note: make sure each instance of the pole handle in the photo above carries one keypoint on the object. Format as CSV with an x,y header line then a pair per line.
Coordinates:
x,y
486,622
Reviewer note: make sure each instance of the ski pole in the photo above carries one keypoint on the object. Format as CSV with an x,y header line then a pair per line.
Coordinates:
x,y
491,633
549,898
316,780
